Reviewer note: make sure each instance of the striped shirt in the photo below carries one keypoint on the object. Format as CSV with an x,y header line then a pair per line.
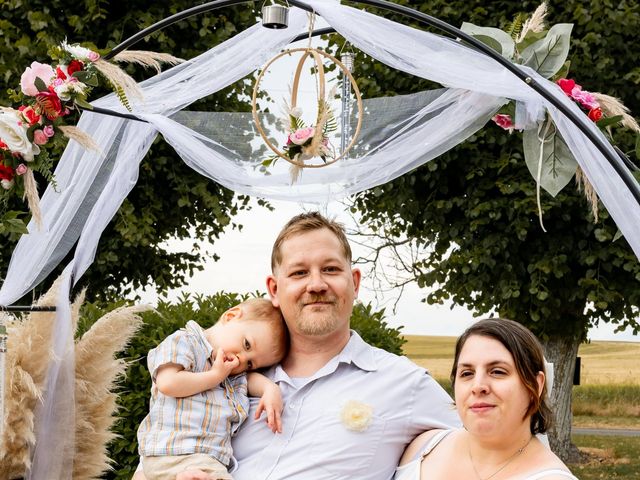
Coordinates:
x,y
201,423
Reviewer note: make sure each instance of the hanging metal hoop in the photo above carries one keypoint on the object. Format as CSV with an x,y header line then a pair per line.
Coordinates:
x,y
316,55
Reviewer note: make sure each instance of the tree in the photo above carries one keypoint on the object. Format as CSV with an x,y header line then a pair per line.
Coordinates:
x,y
170,200
472,213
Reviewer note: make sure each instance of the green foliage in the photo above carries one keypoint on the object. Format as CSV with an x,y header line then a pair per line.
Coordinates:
x,y
170,200
134,391
475,206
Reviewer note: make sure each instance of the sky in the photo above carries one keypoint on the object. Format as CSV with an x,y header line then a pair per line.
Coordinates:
x,y
245,256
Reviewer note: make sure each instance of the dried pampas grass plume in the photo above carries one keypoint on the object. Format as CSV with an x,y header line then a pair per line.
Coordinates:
x,y
119,78
612,106
27,360
96,374
147,59
83,138
31,195
28,356
583,184
535,23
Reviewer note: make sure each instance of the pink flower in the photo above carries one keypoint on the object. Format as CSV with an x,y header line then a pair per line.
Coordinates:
x,y
584,98
39,138
567,85
504,121
48,131
28,78
21,169
302,135
93,56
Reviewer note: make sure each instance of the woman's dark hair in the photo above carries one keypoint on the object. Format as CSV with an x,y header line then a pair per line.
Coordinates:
x,y
528,358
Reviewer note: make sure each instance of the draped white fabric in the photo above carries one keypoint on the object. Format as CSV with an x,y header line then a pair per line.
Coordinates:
x,y
91,187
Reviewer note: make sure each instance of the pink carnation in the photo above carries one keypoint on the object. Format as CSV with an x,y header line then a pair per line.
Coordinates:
x,y
302,135
504,121
36,70
584,98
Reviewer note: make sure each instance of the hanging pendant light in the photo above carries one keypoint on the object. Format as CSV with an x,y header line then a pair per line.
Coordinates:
x,y
275,16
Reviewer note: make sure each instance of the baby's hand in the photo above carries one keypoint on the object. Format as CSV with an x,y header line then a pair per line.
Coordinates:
x,y
271,403
224,362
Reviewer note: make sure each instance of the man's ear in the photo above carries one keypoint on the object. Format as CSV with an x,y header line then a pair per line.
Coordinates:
x,y
272,288
357,276
234,313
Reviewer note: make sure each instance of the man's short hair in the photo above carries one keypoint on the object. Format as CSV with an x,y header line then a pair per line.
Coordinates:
x,y
307,222
262,310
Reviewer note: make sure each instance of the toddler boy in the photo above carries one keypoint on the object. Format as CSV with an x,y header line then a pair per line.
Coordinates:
x,y
199,393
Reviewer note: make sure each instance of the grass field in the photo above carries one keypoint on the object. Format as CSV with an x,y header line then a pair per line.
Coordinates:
x,y
602,362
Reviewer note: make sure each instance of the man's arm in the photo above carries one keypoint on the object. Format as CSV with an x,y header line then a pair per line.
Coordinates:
x,y
270,399
173,380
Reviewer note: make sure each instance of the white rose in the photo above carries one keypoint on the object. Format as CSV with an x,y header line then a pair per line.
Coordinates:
x,y
80,53
13,132
6,184
296,112
356,416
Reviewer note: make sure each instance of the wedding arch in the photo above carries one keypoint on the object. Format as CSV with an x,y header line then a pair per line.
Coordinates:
x,y
91,185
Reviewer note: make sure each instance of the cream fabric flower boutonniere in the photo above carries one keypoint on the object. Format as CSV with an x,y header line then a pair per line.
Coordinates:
x,y
356,416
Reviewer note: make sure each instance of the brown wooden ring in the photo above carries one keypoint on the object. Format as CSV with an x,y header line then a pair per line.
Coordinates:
x,y
315,54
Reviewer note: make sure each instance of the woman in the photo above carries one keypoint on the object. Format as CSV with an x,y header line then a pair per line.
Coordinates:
x,y
500,393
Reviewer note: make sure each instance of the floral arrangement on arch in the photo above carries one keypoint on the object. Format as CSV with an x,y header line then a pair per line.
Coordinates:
x,y
306,142
529,42
48,94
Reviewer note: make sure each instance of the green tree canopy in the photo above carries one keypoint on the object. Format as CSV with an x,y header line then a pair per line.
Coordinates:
x,y
170,200
472,212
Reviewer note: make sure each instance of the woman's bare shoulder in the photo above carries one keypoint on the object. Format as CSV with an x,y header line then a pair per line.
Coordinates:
x,y
416,446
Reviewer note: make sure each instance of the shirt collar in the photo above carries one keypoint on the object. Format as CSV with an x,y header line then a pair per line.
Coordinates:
x,y
356,352
198,332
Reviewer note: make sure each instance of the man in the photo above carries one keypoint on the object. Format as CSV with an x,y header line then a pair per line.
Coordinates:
x,y
350,409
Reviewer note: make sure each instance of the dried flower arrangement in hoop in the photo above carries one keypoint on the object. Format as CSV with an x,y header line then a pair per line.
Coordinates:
x,y
304,142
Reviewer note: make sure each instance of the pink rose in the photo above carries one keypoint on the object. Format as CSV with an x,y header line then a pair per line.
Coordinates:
x,y
39,138
504,121
93,56
48,131
302,135
21,169
28,78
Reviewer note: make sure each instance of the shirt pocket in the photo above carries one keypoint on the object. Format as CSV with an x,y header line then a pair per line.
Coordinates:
x,y
342,452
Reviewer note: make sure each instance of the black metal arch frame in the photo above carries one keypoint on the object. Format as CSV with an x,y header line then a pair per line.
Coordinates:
x,y
616,161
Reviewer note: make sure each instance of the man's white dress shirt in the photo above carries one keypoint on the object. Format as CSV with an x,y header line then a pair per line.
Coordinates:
x,y
315,443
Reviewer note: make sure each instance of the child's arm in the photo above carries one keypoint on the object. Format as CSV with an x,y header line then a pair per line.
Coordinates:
x,y
270,401
174,381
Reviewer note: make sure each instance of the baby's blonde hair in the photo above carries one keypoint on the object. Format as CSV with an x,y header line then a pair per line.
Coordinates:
x,y
262,310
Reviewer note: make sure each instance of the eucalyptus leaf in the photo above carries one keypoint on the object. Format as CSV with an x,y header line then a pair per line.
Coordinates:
x,y
530,38
558,164
617,236
88,78
506,43
40,85
547,56
605,122
83,103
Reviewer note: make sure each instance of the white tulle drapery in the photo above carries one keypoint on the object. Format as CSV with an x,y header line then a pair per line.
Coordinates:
x,y
91,187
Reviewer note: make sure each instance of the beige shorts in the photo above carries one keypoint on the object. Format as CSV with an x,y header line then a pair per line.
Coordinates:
x,y
167,467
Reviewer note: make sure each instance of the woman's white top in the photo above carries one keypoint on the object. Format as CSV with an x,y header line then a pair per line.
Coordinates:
x,y
411,470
